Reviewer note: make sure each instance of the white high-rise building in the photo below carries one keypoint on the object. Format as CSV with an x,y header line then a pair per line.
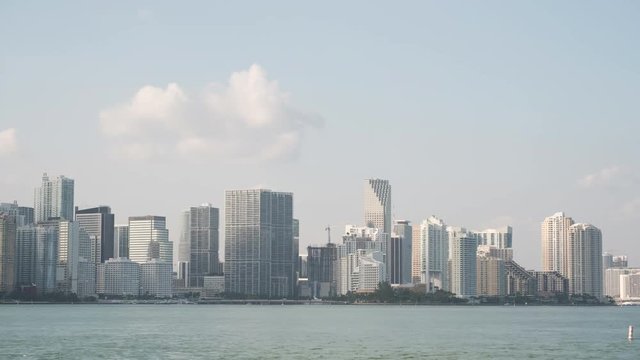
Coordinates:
x,y
149,239
371,272
584,260
377,204
630,287
54,199
499,238
463,266
155,278
68,256
555,233
612,280
434,254
360,271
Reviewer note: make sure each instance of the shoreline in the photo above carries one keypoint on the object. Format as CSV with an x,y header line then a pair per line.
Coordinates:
x,y
293,303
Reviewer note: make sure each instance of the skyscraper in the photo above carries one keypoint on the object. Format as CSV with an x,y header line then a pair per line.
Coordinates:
x,y
434,242
584,260
259,243
54,199
491,276
98,223
149,239
199,243
404,230
296,247
555,230
121,241
463,264
68,256
7,252
46,257
377,204
320,268
416,255
26,255
395,259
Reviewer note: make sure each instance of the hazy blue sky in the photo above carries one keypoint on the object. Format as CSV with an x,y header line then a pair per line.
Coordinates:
x,y
482,113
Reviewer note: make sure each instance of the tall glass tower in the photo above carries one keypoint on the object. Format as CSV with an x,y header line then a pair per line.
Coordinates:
x,y
259,243
199,243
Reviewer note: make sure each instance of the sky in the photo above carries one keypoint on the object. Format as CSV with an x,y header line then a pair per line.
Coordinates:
x,y
484,114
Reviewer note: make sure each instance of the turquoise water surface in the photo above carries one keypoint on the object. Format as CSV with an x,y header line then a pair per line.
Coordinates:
x,y
316,332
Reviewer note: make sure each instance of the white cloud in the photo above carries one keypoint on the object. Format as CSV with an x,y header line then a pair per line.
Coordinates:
x,y
249,118
603,177
8,141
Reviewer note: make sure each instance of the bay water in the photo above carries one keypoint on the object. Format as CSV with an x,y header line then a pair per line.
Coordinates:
x,y
316,332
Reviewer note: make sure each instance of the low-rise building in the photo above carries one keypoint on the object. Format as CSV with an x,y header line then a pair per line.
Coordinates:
x,y
213,286
630,286
155,278
550,283
118,277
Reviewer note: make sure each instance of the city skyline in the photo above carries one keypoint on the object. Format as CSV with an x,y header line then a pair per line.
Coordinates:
x,y
503,238
497,113
72,256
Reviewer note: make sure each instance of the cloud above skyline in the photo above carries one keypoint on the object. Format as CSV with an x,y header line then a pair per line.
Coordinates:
x,y
8,141
603,177
247,119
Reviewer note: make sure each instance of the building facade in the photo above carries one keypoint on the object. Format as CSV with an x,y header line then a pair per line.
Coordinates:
x,y
259,243
404,230
630,286
320,270
584,260
416,255
155,278
434,257
54,199
149,239
118,277
550,283
199,243
554,237
491,279
377,204
121,241
463,264
98,222
501,238
8,254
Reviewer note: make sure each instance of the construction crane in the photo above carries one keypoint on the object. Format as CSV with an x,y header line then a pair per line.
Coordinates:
x,y
328,230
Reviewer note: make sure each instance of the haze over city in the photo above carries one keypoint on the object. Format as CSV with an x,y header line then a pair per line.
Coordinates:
x,y
485,115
